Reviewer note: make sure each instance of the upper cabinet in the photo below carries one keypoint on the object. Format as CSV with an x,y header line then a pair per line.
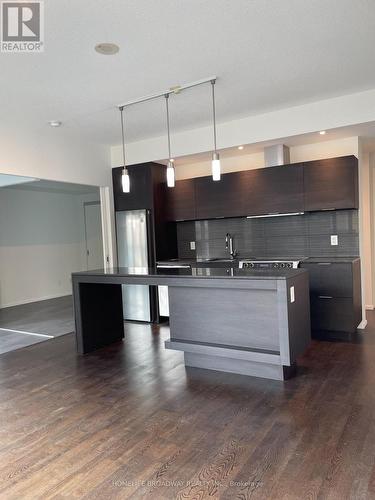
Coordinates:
x,y
272,190
141,188
222,198
251,192
180,201
148,191
331,184
316,185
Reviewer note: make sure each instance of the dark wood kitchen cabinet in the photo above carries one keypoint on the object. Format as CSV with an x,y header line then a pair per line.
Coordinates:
x,y
148,191
272,190
335,296
141,188
251,192
310,186
215,199
331,184
180,201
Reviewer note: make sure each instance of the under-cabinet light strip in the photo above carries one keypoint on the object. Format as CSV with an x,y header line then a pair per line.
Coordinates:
x,y
273,215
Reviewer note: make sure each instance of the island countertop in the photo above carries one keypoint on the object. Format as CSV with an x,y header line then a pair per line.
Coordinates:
x,y
147,273
246,321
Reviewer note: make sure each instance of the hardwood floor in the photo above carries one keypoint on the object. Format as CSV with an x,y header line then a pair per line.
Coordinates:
x,y
129,421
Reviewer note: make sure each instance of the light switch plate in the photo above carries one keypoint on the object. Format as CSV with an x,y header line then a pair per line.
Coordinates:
x,y
334,239
292,295
192,245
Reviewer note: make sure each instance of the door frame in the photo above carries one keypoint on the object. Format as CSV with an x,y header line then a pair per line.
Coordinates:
x,y
91,204
108,228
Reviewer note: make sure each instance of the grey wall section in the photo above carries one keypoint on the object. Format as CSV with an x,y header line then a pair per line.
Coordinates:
x,y
305,235
42,241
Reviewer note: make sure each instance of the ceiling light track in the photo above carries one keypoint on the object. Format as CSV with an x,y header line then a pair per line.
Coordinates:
x,y
216,170
172,90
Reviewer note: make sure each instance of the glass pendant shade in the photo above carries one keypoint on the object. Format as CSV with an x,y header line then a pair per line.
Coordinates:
x,y
171,177
216,167
125,180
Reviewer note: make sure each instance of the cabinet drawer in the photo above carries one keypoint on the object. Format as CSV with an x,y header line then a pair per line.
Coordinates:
x,y
332,279
335,314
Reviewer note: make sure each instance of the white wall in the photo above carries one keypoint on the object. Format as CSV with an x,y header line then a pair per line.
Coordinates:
x,y
42,241
60,155
306,152
371,304
365,228
53,154
308,118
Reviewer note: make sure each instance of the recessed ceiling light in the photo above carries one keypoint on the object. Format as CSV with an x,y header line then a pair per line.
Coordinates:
x,y
54,123
240,147
107,49
322,132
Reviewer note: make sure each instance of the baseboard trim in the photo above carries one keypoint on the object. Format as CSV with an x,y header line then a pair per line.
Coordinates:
x,y
362,325
38,299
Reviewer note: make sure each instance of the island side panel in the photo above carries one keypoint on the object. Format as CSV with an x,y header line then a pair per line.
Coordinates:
x,y
237,317
294,318
98,315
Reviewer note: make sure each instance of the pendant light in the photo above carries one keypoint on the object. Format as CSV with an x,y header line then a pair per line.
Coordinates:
x,y
170,168
125,180
216,167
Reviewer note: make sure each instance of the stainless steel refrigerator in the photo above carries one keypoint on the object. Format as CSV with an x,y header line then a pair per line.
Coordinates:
x,y
132,251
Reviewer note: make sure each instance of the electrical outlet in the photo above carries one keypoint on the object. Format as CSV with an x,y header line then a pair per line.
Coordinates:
x,y
334,239
192,245
292,295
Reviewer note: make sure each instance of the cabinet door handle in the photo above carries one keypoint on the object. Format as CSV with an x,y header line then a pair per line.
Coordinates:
x,y
324,263
325,297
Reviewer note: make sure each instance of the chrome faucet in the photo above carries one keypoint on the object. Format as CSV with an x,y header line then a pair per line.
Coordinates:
x,y
229,245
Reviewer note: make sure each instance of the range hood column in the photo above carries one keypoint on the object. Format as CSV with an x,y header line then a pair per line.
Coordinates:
x,y
276,155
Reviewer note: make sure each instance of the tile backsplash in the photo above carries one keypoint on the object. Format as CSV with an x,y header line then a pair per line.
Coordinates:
x,y
307,235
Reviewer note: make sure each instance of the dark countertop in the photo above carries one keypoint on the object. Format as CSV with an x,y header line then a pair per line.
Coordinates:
x,y
331,260
207,273
234,262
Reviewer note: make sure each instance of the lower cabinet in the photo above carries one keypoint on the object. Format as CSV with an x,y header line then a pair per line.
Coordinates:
x,y
335,296
333,314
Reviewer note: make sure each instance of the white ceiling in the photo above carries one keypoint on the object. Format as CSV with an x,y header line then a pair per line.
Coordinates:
x,y
268,54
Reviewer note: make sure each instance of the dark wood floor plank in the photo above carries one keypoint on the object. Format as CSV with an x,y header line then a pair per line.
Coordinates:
x,y
130,421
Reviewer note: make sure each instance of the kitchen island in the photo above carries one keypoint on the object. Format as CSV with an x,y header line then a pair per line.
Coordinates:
x,y
234,320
